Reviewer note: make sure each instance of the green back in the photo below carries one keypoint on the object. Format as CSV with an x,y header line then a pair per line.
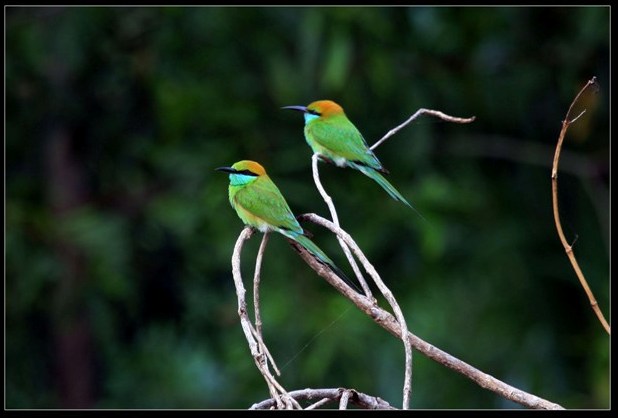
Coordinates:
x,y
338,137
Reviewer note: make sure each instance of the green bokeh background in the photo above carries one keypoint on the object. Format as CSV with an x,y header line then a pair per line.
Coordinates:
x,y
119,233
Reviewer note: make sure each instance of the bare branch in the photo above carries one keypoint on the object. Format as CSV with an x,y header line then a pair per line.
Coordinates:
x,y
389,323
347,239
578,116
319,403
343,401
418,113
256,302
333,214
554,187
256,345
256,285
330,395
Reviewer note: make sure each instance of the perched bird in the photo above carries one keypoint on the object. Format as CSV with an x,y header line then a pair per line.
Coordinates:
x,y
259,203
332,136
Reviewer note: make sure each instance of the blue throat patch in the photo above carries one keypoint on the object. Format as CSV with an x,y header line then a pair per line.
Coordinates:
x,y
241,179
310,116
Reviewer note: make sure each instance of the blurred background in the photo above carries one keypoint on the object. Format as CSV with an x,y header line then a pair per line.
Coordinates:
x,y
119,233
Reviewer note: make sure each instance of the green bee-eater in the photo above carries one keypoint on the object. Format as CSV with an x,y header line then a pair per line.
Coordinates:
x,y
259,204
332,136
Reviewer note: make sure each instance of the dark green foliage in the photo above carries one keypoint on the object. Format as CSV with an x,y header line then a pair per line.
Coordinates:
x,y
119,233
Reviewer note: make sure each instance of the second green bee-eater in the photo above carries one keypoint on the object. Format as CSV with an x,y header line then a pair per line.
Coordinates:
x,y
332,136
259,204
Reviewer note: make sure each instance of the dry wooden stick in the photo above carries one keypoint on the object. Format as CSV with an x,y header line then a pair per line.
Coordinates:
x,y
554,194
347,242
418,113
280,398
333,214
329,395
256,302
257,347
256,287
319,403
343,401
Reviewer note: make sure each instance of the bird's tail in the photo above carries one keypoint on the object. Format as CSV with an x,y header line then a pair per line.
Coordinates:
x,y
381,180
319,254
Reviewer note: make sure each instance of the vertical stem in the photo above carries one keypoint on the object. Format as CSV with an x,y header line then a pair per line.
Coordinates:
x,y
256,284
554,188
333,213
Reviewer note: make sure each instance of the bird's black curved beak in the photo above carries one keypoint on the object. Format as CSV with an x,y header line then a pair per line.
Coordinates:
x,y
226,169
298,108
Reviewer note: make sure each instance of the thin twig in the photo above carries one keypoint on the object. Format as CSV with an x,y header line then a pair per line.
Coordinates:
x,y
330,395
418,113
262,345
387,321
256,284
319,403
333,213
256,302
554,187
256,345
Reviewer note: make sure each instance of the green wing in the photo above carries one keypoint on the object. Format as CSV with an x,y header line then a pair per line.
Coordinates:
x,y
342,139
263,200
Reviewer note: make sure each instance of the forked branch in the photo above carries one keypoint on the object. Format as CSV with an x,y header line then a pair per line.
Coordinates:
x,y
327,396
258,349
282,399
554,194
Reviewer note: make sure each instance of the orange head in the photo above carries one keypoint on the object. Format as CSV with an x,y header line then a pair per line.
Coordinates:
x,y
318,109
325,108
246,167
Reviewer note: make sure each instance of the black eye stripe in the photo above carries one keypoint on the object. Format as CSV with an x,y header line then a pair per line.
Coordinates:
x,y
314,112
247,173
